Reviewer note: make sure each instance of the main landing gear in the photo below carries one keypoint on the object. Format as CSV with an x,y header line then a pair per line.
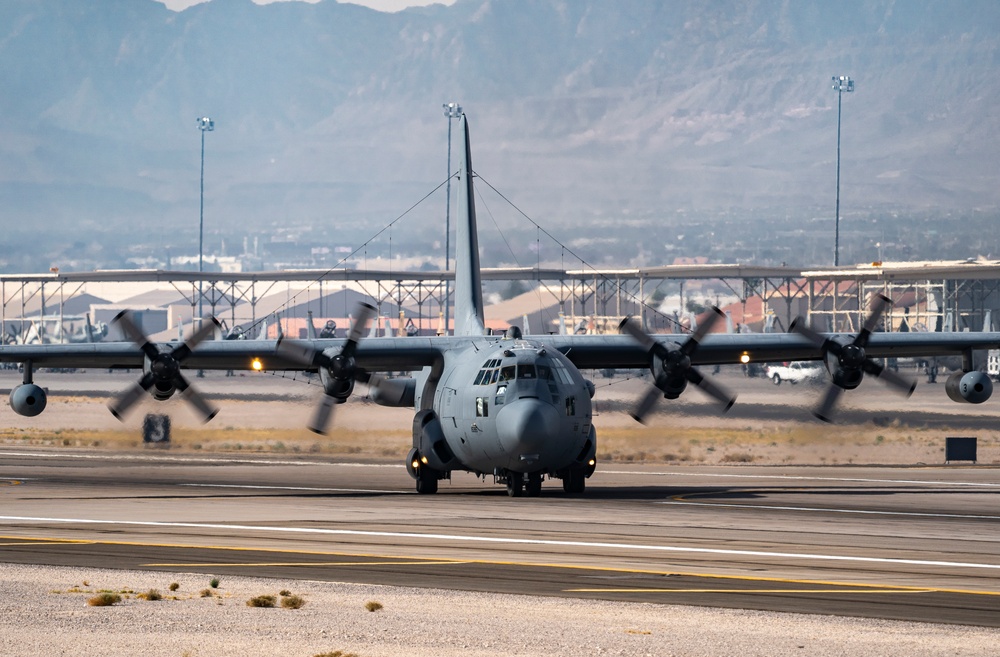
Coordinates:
x,y
426,477
519,484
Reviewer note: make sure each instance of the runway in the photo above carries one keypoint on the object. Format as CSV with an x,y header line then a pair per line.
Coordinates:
x,y
897,543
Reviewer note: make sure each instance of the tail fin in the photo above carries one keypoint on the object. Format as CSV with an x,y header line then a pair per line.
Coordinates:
x,y
310,327
468,281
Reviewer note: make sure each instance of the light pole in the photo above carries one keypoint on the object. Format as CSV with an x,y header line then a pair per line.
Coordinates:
x,y
841,84
205,124
451,111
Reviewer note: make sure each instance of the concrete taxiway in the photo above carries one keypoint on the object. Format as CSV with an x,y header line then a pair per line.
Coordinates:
x,y
902,543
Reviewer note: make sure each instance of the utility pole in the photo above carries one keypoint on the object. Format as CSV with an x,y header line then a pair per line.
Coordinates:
x,y
205,124
840,85
451,111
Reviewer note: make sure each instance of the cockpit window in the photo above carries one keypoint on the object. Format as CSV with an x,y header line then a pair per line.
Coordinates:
x,y
561,373
545,372
526,371
507,373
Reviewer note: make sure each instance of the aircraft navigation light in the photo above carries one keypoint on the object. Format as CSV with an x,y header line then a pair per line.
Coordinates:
x,y
415,464
744,358
423,459
256,365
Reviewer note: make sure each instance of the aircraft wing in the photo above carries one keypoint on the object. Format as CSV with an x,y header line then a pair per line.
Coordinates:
x,y
374,354
585,351
622,351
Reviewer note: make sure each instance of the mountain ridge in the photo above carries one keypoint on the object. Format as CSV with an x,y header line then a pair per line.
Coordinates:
x,y
580,110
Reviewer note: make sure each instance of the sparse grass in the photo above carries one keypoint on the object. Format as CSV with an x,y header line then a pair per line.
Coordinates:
x,y
152,595
104,599
174,586
372,605
284,592
292,601
737,457
262,601
336,653
207,593
386,443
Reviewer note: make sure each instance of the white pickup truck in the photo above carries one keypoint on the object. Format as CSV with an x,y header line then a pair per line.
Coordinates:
x,y
795,372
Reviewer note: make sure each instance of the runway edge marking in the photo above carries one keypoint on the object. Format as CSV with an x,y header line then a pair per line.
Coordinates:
x,y
489,562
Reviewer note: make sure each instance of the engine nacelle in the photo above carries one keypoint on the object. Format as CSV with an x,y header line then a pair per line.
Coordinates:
x,y
398,393
28,399
337,387
669,372
969,387
430,442
163,390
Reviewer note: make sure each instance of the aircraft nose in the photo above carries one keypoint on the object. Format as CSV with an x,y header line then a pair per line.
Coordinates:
x,y
528,428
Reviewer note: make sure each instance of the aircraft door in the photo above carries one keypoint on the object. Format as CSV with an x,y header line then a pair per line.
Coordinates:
x,y
449,410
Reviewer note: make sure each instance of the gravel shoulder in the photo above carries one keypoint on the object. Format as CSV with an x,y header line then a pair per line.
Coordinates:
x,y
44,611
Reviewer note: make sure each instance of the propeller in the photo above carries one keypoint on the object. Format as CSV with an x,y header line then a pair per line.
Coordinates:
x,y
337,370
852,362
162,376
671,366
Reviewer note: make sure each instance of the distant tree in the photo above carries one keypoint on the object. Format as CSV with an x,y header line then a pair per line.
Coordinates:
x,y
513,289
695,307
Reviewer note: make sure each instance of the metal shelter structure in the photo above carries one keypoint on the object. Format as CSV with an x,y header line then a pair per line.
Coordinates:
x,y
926,294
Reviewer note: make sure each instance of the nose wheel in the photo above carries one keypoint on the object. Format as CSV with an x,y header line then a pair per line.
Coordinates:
x,y
515,484
519,484
574,481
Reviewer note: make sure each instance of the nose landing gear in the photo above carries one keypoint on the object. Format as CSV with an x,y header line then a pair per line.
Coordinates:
x,y
520,484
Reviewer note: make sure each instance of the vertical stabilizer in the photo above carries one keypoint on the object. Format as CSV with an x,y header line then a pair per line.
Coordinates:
x,y
468,283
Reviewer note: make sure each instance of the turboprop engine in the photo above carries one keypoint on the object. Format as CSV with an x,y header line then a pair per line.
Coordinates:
x,y
28,399
969,387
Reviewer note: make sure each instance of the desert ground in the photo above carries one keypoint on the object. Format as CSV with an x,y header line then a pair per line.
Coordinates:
x,y
769,425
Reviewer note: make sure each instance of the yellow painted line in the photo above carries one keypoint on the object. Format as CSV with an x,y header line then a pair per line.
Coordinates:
x,y
525,564
10,482
2,545
738,591
304,564
30,540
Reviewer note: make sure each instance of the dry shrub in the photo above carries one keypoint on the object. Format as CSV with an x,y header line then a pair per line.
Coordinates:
x,y
104,599
262,601
292,602
372,605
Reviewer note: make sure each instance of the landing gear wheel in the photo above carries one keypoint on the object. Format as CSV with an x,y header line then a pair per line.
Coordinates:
x,y
534,486
515,484
574,482
427,481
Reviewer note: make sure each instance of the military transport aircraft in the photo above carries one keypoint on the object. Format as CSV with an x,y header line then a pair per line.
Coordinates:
x,y
512,406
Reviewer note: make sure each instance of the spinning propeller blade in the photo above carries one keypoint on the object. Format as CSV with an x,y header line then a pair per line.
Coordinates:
x,y
338,371
671,366
852,362
163,369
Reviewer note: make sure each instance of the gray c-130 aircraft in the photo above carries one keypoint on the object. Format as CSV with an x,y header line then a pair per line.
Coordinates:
x,y
517,407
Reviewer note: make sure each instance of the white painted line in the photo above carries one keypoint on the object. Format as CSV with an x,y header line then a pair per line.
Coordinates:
x,y
195,459
299,488
766,507
804,478
510,541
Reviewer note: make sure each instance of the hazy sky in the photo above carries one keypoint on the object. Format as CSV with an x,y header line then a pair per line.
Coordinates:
x,y
380,5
